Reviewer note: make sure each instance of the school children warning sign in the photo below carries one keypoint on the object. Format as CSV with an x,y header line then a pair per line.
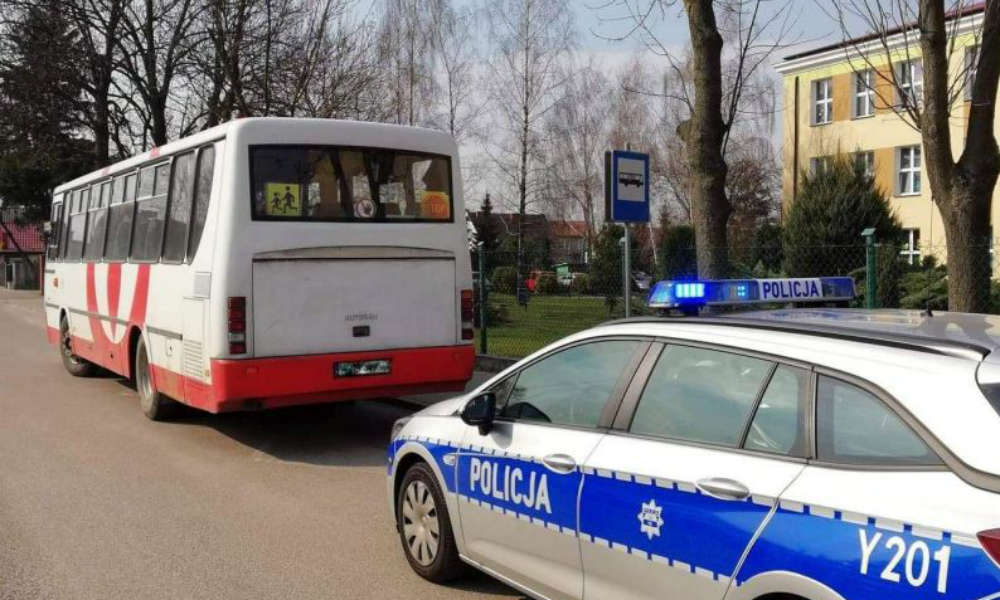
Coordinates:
x,y
283,200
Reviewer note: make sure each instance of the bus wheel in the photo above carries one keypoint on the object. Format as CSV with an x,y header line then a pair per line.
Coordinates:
x,y
76,366
154,405
424,527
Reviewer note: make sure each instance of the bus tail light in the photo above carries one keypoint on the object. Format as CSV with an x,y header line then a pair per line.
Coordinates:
x,y
237,325
990,539
468,313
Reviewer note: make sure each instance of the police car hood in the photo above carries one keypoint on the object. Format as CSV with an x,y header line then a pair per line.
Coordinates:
x,y
445,408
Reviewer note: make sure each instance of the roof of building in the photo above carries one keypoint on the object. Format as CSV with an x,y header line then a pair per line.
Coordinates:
x,y
28,238
569,229
961,11
27,235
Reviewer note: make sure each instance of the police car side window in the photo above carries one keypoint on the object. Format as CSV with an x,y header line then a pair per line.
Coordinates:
x,y
700,395
502,389
855,427
570,387
778,425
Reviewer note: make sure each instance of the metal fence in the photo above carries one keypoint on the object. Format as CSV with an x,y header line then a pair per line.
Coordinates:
x,y
557,300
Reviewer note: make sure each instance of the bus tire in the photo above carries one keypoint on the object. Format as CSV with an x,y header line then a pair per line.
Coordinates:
x,y
420,510
76,366
154,405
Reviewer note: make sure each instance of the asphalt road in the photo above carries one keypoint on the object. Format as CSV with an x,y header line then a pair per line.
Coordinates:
x,y
98,502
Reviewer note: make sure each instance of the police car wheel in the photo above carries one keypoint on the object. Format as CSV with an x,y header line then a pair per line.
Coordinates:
x,y
425,528
76,366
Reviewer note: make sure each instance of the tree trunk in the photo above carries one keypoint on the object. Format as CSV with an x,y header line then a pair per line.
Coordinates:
x,y
962,191
158,114
102,127
703,137
967,231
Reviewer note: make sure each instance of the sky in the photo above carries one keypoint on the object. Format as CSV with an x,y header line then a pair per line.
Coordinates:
x,y
599,22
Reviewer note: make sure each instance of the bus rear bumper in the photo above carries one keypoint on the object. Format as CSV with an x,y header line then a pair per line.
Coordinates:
x,y
287,381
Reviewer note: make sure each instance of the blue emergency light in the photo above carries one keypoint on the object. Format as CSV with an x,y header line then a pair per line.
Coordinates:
x,y
721,292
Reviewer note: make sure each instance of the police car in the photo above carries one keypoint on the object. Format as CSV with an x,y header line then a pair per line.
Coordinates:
x,y
795,454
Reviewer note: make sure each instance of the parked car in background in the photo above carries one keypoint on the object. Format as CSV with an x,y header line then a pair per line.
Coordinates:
x,y
642,281
532,282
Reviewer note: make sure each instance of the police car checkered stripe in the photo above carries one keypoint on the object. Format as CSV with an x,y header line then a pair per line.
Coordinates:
x,y
783,509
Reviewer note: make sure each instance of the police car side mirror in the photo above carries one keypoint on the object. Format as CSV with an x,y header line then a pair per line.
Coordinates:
x,y
480,412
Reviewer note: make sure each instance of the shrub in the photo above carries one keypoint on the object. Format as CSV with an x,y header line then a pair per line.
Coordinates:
x,y
926,287
606,268
679,259
496,314
547,284
504,280
580,284
822,231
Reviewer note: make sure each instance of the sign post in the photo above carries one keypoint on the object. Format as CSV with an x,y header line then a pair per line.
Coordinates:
x,y
626,201
871,282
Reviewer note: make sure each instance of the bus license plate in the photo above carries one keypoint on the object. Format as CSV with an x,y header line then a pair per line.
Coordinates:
x,y
362,368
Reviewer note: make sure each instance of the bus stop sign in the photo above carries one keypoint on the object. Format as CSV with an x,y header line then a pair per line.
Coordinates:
x,y
626,187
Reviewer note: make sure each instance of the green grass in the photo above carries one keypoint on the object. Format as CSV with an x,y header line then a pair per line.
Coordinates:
x,y
545,320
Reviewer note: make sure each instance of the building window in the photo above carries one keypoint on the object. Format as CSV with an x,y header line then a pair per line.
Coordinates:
x,y
819,165
910,77
971,66
866,162
911,246
864,94
909,171
822,101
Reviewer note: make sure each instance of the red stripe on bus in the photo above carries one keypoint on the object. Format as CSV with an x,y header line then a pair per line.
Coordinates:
x,y
296,380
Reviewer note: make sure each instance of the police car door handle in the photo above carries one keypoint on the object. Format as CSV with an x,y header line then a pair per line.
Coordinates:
x,y
724,489
560,463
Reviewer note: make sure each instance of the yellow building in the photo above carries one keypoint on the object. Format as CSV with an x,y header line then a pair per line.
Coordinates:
x,y
840,99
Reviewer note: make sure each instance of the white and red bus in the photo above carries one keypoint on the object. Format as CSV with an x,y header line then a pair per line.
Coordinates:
x,y
268,262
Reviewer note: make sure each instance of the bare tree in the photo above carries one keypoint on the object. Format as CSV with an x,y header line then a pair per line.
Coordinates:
x,y
576,132
405,58
715,100
455,52
157,41
531,41
962,189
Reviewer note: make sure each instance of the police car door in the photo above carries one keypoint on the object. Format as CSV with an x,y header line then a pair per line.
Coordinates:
x,y
674,494
519,484
877,515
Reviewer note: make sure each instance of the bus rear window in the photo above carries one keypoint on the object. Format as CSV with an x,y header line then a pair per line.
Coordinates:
x,y
330,183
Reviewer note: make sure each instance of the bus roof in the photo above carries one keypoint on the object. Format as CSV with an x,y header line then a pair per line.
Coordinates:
x,y
288,130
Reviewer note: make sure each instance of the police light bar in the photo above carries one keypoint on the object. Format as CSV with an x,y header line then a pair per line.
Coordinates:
x,y
721,292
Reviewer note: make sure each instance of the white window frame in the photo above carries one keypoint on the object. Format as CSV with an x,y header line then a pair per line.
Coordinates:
x,y
910,77
913,172
819,164
822,103
864,95
867,159
971,66
911,247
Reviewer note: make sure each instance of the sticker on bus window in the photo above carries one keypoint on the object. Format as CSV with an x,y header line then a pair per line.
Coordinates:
x,y
283,200
435,205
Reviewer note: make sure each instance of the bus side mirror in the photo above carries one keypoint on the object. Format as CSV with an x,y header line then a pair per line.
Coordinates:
x,y
480,412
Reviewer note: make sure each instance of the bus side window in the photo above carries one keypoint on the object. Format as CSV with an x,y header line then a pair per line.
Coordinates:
x,y
120,221
181,188
64,226
56,224
150,213
202,194
97,222
77,225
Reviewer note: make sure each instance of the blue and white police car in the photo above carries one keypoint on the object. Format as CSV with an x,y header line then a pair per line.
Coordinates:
x,y
797,454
